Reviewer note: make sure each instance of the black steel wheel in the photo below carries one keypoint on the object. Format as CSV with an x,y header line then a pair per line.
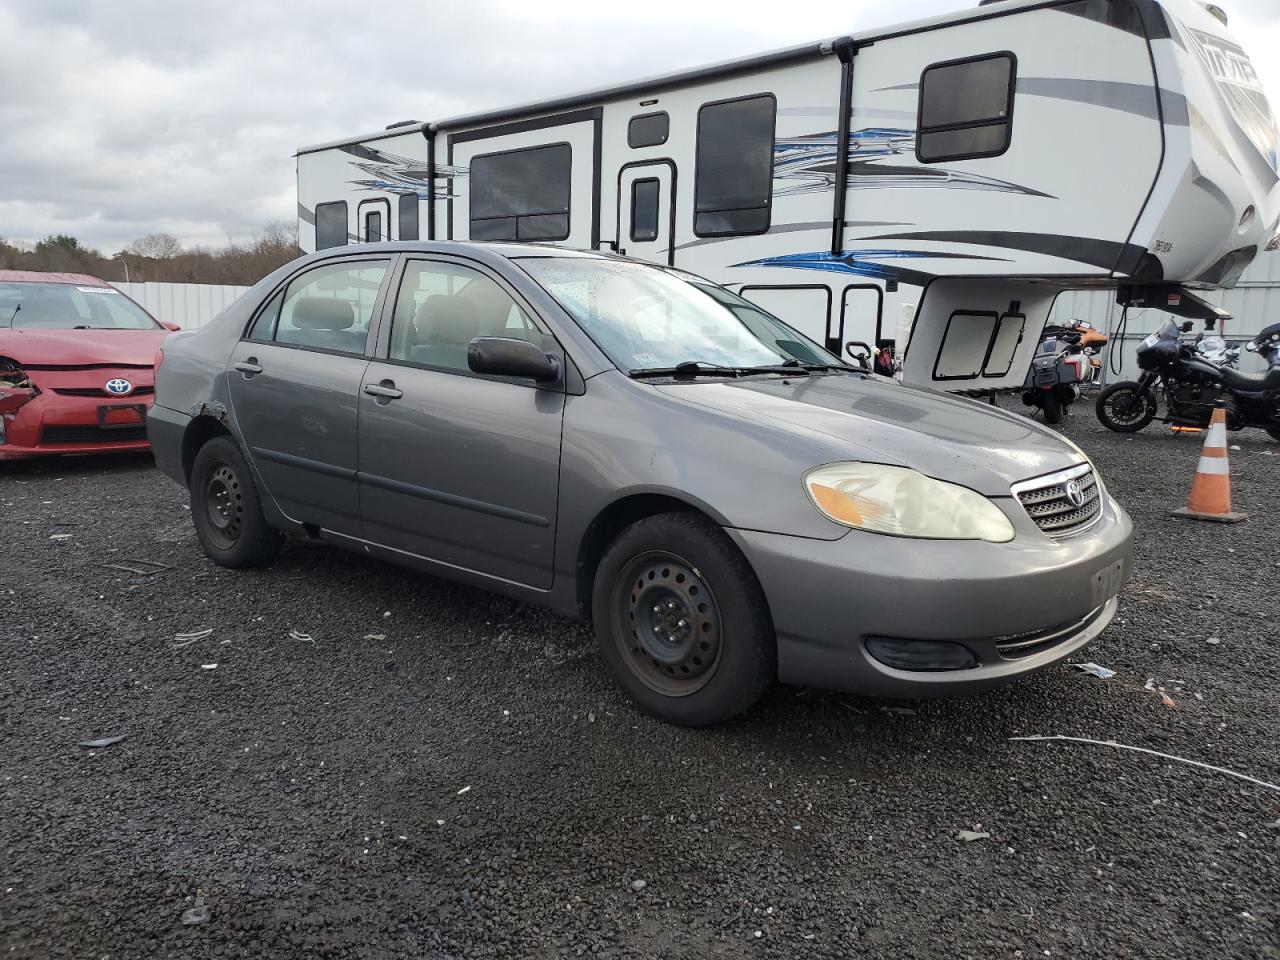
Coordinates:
x,y
226,509
681,620
1123,408
224,505
666,623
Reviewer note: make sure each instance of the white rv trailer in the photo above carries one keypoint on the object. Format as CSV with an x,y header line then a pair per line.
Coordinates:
x,y
974,164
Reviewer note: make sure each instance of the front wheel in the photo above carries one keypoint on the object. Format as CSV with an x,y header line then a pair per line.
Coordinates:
x,y
1123,407
682,622
226,510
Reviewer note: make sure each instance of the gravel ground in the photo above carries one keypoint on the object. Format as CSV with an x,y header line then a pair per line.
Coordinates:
x,y
438,773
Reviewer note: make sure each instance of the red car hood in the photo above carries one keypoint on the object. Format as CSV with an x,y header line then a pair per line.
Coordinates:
x,y
80,348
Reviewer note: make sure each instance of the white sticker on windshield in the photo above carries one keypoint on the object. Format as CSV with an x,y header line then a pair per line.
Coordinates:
x,y
99,290
645,359
1152,340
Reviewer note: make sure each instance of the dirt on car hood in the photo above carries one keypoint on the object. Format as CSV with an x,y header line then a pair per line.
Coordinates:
x,y
81,348
947,437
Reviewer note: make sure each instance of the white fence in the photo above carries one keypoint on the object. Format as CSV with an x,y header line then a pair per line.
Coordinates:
x,y
1253,303
189,305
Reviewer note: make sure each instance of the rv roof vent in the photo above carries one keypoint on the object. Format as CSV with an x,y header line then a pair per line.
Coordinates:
x,y
402,123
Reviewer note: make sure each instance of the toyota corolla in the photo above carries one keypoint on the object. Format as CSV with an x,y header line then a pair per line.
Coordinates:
x,y
76,363
725,501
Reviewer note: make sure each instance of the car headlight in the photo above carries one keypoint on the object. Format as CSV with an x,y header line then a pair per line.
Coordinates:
x,y
903,502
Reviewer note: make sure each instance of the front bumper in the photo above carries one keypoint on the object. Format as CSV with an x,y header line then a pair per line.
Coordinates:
x,y
1017,607
50,424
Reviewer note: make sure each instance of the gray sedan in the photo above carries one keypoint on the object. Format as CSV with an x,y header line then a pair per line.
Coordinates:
x,y
725,501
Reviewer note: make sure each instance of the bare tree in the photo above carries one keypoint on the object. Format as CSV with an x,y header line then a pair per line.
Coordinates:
x,y
155,246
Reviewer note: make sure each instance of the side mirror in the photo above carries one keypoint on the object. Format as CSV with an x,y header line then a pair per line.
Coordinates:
x,y
508,357
170,326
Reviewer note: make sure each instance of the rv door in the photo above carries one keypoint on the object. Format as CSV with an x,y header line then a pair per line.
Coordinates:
x,y
646,211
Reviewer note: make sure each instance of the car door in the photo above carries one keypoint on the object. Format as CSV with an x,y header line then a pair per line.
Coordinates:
x,y
294,381
460,468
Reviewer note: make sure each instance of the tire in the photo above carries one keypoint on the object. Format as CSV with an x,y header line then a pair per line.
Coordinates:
x,y
1052,404
1274,432
682,622
1117,410
226,508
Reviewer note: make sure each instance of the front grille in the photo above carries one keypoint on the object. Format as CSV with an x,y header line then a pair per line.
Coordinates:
x,y
92,434
1048,501
100,392
1016,646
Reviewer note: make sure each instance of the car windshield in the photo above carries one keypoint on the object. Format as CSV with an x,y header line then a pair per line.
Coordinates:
x,y
647,318
68,306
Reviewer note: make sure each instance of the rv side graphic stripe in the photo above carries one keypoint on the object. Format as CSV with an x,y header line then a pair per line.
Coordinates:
x,y
305,215
1136,98
1098,253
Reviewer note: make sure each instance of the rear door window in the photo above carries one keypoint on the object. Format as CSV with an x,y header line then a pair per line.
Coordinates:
x,y
326,308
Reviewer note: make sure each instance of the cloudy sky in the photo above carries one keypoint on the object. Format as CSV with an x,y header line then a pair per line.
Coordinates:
x,y
127,117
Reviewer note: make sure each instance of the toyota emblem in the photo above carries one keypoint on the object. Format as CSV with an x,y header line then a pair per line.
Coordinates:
x,y
119,387
1074,493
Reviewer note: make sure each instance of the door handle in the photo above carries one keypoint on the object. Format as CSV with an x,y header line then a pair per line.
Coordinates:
x,y
383,392
249,367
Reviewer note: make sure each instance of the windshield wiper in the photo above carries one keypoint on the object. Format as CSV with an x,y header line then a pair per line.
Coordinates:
x,y
806,365
688,368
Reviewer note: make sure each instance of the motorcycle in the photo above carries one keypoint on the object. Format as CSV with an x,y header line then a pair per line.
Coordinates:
x,y
1064,367
1192,386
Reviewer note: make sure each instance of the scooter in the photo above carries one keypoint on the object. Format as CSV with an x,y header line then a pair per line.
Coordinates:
x,y
1065,366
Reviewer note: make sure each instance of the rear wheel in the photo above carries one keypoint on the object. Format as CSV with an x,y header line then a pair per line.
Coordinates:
x,y
1052,405
226,509
1122,408
682,622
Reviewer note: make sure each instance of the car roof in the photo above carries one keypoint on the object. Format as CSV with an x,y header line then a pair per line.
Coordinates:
x,y
499,248
37,276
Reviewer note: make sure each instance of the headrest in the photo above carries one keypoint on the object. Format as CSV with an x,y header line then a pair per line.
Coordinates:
x,y
322,313
453,320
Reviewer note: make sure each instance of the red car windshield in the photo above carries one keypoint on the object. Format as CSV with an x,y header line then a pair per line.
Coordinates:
x,y
67,306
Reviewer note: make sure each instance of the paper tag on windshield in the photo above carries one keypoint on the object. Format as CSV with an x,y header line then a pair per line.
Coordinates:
x,y
98,290
645,359
1152,340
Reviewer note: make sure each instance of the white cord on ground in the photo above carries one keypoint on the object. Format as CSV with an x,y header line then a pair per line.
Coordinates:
x,y
1157,753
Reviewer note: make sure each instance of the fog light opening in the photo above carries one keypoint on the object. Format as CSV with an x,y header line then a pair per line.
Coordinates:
x,y
921,655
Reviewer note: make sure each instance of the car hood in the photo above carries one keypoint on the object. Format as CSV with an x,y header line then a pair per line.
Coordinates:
x,y
947,437
81,348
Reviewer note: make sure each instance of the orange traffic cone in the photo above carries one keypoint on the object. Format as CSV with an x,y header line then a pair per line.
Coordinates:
x,y
1211,491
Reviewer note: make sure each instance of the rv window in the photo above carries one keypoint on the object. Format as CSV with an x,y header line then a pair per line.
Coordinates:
x,y
373,226
648,130
965,108
521,194
331,224
734,175
1004,344
644,210
408,216
964,345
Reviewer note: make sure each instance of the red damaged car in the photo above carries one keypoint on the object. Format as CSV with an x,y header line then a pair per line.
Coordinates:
x,y
77,365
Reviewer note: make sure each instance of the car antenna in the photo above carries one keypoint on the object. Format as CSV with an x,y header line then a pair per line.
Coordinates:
x,y
13,316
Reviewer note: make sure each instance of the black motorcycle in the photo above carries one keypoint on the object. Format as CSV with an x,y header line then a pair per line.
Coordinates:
x,y
1192,385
